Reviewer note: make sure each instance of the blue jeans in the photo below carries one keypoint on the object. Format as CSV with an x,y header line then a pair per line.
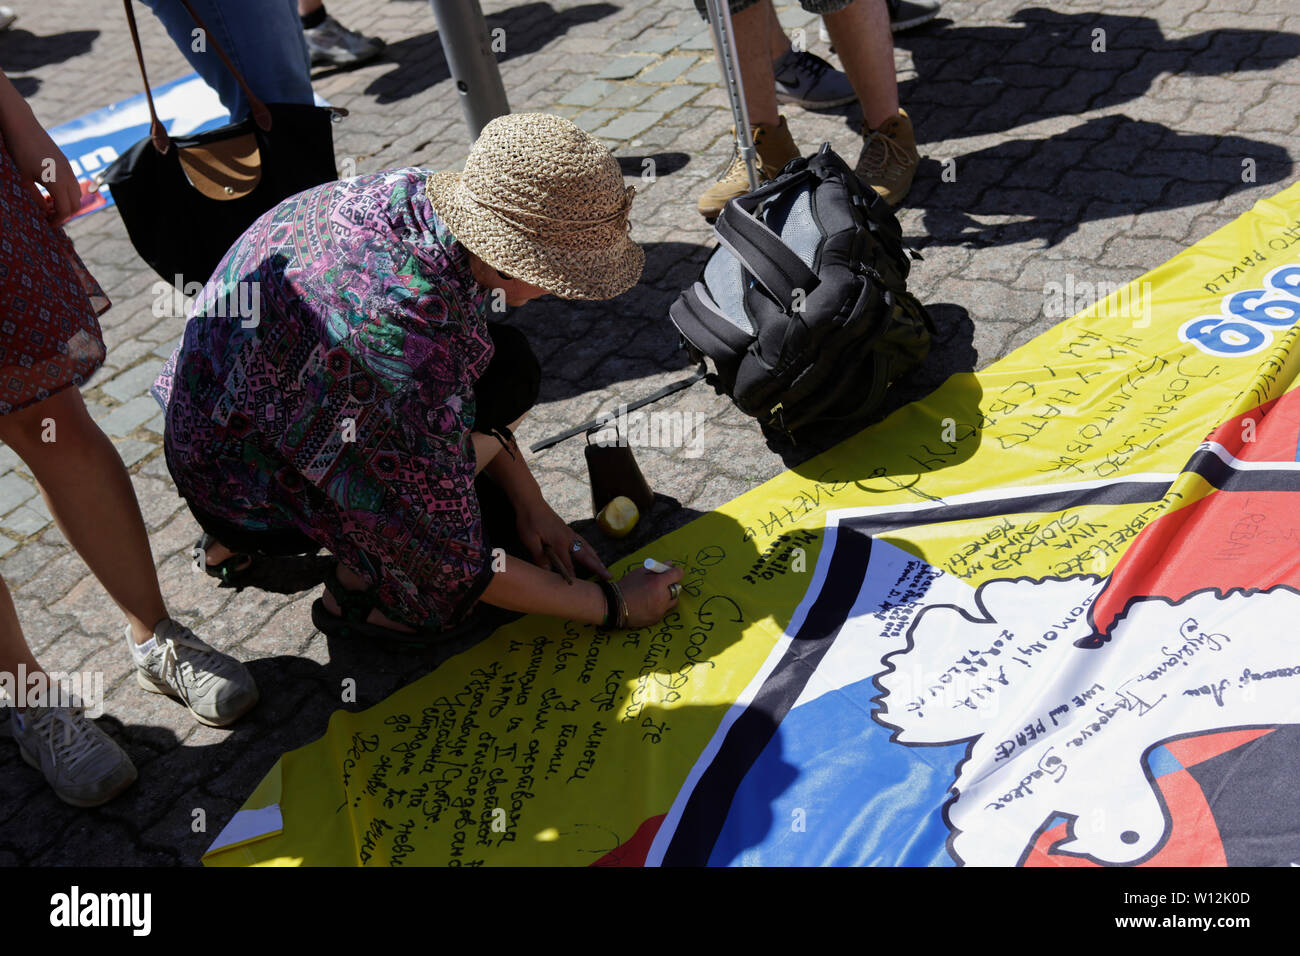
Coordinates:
x,y
263,38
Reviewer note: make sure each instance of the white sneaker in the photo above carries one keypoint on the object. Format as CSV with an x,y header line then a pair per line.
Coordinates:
x,y
216,688
83,765
333,44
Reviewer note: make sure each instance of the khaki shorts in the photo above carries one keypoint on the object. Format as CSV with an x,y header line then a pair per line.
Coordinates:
x,y
818,7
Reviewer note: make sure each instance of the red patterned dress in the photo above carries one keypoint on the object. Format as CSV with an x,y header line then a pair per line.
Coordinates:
x,y
49,331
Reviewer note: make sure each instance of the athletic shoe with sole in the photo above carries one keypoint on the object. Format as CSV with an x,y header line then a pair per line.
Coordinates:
x,y
809,81
906,14
81,763
774,147
216,688
889,158
333,44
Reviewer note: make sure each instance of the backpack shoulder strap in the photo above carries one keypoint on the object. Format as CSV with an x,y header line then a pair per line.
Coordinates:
x,y
762,253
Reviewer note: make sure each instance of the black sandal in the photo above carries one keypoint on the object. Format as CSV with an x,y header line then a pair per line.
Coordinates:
x,y
356,607
281,574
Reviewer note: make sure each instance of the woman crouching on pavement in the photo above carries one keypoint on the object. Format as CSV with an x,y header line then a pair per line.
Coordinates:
x,y
355,409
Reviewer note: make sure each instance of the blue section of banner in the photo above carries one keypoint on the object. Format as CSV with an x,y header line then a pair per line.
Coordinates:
x,y
831,789
94,141
1162,762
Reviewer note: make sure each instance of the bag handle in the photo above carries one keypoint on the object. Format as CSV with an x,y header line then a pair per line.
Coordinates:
x,y
762,253
158,132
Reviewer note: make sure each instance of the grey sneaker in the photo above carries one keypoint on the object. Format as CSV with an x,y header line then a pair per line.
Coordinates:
x,y
809,81
333,44
906,14
83,765
216,688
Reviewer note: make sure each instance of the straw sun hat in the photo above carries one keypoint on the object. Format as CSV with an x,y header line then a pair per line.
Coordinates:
x,y
543,201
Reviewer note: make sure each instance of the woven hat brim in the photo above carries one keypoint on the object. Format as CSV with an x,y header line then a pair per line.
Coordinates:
x,y
570,274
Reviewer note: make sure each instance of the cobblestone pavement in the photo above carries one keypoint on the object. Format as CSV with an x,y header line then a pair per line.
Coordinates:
x,y
1100,164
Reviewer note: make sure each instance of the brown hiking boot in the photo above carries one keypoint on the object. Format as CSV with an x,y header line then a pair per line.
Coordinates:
x,y
889,157
774,147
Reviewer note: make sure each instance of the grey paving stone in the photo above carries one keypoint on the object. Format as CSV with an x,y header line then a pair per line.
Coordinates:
x,y
98,410
629,124
704,72
24,521
8,459
669,98
587,94
23,562
700,40
668,70
133,450
627,96
14,491
590,120
656,44
793,17
133,382
625,67
127,418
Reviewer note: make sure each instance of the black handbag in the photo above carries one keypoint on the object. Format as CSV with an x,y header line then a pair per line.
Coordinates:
x,y
186,200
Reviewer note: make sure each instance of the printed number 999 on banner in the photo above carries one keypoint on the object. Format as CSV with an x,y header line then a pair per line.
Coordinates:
x,y
1248,318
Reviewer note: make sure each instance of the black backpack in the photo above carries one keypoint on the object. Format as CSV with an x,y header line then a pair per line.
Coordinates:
x,y
804,308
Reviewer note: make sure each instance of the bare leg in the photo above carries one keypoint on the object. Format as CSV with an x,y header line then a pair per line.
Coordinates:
x,y
778,42
308,6
13,647
755,44
865,44
90,496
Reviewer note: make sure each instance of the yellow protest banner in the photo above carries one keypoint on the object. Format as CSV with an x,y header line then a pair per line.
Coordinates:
x,y
1011,624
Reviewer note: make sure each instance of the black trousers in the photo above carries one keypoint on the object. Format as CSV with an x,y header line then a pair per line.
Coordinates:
x,y
507,389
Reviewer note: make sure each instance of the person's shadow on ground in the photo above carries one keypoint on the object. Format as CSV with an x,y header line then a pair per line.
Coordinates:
x,y
524,29
587,346
1043,190
973,80
21,51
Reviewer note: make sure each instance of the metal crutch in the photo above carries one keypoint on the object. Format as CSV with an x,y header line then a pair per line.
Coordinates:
x,y
725,40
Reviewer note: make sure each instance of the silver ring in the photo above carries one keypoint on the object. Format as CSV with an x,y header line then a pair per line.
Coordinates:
x,y
674,590
576,547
